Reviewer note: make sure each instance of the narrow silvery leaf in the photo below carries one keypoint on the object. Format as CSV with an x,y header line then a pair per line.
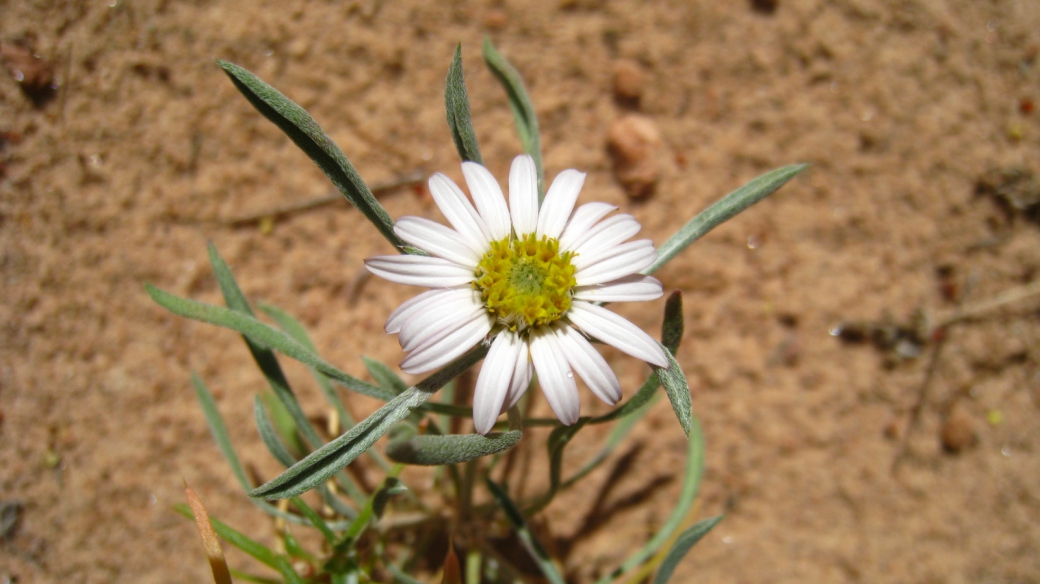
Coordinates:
x,y
722,211
691,484
673,326
534,548
220,436
520,103
305,132
678,389
263,335
327,460
294,329
269,435
263,356
384,376
456,101
682,545
282,455
451,449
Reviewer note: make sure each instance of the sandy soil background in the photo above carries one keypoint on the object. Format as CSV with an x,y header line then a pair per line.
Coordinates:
x,y
144,151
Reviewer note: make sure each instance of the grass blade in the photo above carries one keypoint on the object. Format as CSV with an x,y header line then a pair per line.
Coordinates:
x,y
723,210
520,103
682,545
456,102
305,132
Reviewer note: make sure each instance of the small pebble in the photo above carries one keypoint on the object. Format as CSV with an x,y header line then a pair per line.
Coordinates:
x,y
632,141
765,6
628,82
958,433
496,19
34,75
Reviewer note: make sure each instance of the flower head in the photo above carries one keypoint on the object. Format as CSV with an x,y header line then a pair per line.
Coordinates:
x,y
526,279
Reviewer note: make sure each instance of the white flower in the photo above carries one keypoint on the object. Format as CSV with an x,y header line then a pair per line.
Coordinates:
x,y
525,279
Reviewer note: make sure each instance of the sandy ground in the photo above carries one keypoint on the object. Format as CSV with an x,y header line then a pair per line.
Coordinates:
x,y
146,151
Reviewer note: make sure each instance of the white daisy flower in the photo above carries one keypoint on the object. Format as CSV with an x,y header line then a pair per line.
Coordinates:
x,y
525,279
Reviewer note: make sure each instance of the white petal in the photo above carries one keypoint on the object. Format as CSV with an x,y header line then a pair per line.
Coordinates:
x,y
607,234
439,319
617,332
522,375
625,259
413,306
583,219
523,194
590,365
555,376
437,354
437,240
559,203
493,381
634,288
413,270
488,197
460,213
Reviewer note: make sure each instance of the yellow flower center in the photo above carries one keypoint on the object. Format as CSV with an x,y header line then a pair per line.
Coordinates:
x,y
526,282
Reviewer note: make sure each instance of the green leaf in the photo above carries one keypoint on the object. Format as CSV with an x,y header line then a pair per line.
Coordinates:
x,y
520,103
321,464
315,519
558,440
673,326
691,484
294,329
269,435
278,450
451,449
264,357
456,101
263,335
533,546
373,508
220,436
219,430
675,385
722,211
384,376
253,548
305,133
682,545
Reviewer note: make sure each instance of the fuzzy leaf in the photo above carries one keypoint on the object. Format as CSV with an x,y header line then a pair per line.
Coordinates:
x,y
263,335
673,326
305,133
675,385
682,545
456,101
722,211
321,464
520,103
451,449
